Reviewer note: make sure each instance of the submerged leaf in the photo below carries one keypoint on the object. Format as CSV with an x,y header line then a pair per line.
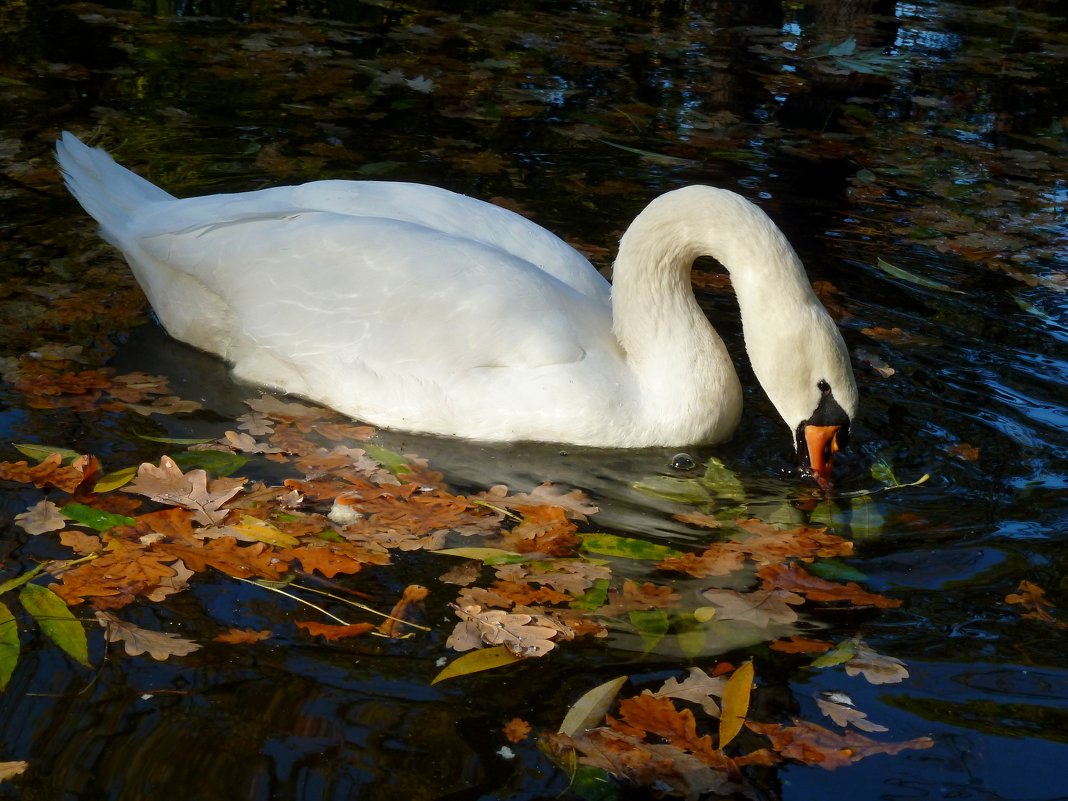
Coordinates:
x,y
626,547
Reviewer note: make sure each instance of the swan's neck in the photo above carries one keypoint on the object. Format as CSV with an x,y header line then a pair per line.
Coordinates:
x,y
680,362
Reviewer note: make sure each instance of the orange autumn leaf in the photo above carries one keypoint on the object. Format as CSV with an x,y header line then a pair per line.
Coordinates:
x,y
242,636
814,745
794,578
50,472
413,594
325,559
649,714
719,559
1033,598
767,543
800,645
333,632
524,594
255,560
543,529
117,577
516,730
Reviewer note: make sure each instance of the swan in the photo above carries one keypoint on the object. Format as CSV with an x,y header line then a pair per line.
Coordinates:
x,y
412,307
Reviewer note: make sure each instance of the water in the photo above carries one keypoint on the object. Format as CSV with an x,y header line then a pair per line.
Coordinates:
x,y
924,136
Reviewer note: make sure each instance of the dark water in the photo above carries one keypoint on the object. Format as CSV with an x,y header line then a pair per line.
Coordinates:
x,y
934,143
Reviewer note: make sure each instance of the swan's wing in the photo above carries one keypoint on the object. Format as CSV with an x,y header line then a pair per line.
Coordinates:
x,y
459,216
377,294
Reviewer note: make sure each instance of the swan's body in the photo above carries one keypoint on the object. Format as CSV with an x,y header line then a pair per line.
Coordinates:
x,y
416,308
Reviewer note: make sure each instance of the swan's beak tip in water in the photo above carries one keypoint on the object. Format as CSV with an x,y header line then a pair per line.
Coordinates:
x,y
821,443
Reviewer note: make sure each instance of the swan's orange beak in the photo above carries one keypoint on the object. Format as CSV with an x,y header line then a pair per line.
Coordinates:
x,y
822,444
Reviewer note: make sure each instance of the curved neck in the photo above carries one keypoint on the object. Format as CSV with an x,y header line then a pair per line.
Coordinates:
x,y
674,352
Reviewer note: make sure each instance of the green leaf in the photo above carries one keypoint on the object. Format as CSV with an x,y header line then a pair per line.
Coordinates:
x,y
594,598
626,547
9,645
391,460
56,621
882,471
651,624
735,703
176,440
489,556
42,452
592,784
95,518
834,570
218,463
841,653
476,661
718,482
18,581
589,710
648,155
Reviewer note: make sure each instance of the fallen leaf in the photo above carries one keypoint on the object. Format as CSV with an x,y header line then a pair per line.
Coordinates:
x,y
800,645
51,472
1033,598
477,661
9,645
842,712
9,770
875,667
56,621
242,636
158,645
794,578
736,695
762,608
413,594
698,688
719,559
588,711
333,632
575,502
167,484
516,730
523,635
42,517
814,745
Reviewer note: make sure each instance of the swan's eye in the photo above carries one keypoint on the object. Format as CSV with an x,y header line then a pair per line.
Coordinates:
x,y
823,386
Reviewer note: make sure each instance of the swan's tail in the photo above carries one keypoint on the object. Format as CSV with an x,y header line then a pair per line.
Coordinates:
x,y
108,191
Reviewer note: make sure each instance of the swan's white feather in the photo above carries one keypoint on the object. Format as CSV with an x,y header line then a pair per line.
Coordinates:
x,y
413,307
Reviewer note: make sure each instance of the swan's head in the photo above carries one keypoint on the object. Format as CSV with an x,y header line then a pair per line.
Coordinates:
x,y
803,365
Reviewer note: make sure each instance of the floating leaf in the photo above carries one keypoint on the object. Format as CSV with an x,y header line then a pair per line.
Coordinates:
x,y
176,440
735,703
96,519
589,710
489,556
260,531
115,479
8,770
42,517
42,452
9,645
56,621
626,547
137,640
391,460
476,661
18,581
218,463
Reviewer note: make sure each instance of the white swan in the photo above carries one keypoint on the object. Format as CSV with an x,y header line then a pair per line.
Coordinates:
x,y
412,307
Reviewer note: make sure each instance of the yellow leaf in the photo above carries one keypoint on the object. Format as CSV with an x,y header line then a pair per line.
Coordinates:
x,y
588,712
115,479
735,703
260,531
475,661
